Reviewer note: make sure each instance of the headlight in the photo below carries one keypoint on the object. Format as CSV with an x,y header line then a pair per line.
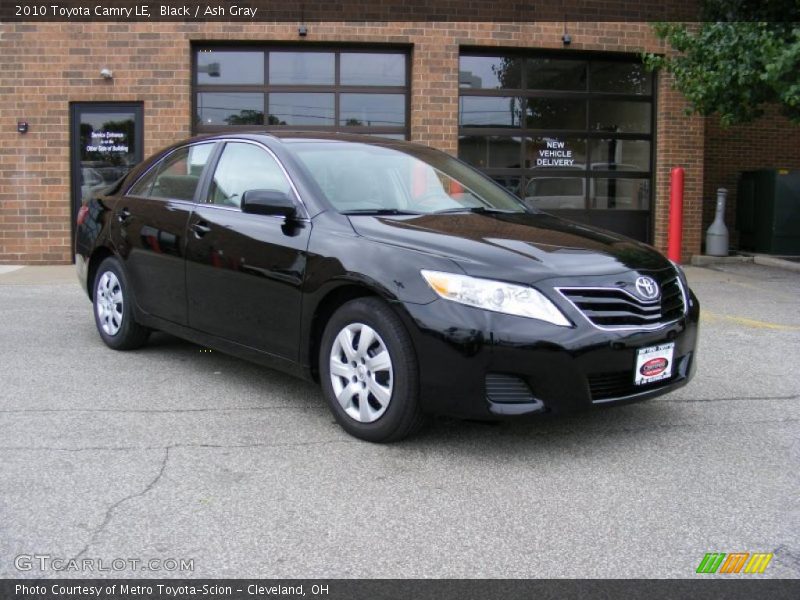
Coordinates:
x,y
498,296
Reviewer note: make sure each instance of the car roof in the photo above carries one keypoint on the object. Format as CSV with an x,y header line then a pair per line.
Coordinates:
x,y
287,135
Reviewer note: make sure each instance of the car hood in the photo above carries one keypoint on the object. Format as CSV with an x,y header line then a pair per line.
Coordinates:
x,y
520,246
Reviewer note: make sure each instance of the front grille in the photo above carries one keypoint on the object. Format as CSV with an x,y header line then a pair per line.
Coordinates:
x,y
615,307
605,386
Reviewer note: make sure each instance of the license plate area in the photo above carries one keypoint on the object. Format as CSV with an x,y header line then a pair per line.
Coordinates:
x,y
653,363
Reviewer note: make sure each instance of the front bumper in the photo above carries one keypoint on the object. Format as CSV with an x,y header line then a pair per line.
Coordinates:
x,y
565,369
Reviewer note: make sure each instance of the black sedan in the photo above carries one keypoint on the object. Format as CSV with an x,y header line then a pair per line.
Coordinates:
x,y
401,279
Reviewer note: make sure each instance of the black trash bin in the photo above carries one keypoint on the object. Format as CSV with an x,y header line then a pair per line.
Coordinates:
x,y
768,211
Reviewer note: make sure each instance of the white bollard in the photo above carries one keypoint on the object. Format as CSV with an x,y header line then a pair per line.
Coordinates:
x,y
717,234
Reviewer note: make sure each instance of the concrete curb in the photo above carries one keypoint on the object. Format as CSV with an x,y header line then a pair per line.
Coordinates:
x,y
9,268
702,260
771,261
39,274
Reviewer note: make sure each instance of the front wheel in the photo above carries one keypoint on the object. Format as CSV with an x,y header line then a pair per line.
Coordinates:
x,y
369,372
113,308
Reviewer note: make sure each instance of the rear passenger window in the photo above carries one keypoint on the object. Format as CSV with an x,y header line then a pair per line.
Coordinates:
x,y
177,176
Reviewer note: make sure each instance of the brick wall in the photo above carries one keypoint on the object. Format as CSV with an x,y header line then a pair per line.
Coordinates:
x,y
680,143
46,66
771,142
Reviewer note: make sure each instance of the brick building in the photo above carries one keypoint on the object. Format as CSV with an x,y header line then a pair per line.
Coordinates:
x,y
580,129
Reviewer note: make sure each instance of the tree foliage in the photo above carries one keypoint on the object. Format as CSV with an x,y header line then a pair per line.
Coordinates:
x,y
738,60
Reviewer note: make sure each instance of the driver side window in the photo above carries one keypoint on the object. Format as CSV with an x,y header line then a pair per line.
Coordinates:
x,y
244,167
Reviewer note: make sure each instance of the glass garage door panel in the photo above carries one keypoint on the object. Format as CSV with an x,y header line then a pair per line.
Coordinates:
x,y
556,193
617,116
223,108
561,152
612,154
621,77
367,69
556,113
301,68
372,109
301,109
555,74
490,72
226,67
620,194
490,151
490,111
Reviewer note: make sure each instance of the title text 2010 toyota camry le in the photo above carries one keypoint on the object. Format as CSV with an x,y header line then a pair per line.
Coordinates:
x,y
401,279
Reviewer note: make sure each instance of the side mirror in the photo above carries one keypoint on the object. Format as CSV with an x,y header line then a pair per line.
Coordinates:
x,y
268,202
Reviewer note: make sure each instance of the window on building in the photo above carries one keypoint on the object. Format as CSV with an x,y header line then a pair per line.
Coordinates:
x,y
356,90
565,133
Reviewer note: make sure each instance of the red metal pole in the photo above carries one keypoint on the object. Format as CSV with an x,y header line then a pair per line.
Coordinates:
x,y
675,235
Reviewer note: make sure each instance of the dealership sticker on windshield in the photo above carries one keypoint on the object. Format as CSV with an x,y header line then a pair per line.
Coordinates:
x,y
654,363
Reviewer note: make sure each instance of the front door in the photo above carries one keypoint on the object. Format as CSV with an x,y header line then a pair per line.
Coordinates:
x,y
244,271
106,142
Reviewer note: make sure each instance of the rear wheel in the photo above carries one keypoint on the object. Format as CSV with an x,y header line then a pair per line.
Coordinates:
x,y
113,308
369,372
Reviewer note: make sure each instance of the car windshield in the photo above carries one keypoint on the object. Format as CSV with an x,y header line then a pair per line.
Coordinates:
x,y
359,178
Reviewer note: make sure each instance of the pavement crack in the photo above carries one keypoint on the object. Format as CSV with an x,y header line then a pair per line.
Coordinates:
x,y
112,509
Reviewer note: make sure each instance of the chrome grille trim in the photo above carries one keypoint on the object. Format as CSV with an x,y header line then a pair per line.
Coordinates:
x,y
617,309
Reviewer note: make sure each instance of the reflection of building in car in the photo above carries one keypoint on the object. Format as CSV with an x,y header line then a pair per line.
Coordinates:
x,y
96,175
91,181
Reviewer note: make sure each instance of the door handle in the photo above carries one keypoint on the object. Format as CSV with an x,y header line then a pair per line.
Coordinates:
x,y
200,228
123,215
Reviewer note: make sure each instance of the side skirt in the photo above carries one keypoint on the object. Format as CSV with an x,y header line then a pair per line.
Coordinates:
x,y
226,346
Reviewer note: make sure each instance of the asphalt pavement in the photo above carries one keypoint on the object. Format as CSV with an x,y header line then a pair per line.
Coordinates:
x,y
173,453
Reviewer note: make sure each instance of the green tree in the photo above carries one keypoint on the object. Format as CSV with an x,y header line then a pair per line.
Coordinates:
x,y
743,56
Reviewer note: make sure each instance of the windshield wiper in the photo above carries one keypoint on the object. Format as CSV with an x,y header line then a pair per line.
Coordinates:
x,y
481,210
380,211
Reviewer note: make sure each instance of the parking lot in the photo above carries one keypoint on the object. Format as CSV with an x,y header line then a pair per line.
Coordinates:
x,y
173,452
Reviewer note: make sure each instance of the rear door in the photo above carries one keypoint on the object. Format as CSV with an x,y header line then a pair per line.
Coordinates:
x,y
152,219
244,272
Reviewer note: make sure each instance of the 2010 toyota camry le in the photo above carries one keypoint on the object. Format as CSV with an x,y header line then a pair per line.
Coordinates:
x,y
404,281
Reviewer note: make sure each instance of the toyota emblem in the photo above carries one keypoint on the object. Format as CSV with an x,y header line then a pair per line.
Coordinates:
x,y
647,288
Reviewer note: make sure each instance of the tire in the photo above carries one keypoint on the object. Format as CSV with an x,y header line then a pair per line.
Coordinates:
x,y
373,404
112,302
